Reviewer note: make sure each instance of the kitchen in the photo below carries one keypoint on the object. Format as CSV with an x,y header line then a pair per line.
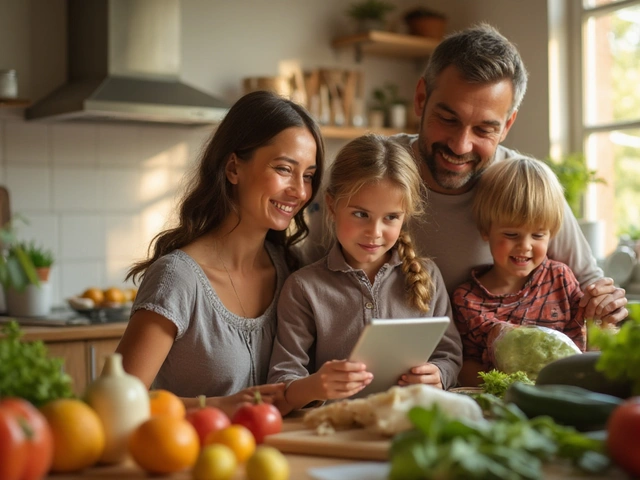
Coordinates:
x,y
96,194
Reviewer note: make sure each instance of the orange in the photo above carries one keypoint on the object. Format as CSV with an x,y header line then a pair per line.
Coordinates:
x,y
114,295
94,294
237,437
130,294
163,402
78,434
164,444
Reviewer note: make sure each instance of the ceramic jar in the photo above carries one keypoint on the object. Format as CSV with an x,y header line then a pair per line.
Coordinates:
x,y
122,403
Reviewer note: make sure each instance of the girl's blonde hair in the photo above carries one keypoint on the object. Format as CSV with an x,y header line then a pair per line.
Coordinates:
x,y
370,159
519,191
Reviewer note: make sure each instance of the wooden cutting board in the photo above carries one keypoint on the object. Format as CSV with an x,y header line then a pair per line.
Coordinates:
x,y
357,444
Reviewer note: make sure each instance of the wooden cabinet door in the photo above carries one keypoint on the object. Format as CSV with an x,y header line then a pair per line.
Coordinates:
x,y
97,352
75,361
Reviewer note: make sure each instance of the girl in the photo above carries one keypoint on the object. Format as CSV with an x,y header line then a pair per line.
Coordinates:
x,y
204,317
372,271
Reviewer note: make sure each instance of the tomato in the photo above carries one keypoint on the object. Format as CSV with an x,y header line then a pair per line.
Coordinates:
x,y
207,419
623,436
26,441
260,418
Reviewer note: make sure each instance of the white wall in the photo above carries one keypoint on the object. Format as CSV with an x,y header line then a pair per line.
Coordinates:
x,y
96,194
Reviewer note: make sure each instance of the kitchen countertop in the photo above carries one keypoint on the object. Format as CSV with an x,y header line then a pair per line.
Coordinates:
x,y
300,465
71,332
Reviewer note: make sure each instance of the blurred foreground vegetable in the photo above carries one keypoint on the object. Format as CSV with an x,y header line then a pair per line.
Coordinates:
x,y
509,447
496,382
620,351
27,372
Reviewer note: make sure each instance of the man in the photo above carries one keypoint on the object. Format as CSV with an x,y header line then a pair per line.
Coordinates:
x,y
467,101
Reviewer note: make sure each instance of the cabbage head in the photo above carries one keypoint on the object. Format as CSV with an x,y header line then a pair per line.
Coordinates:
x,y
530,348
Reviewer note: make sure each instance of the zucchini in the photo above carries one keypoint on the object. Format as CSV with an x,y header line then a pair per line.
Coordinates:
x,y
580,370
566,404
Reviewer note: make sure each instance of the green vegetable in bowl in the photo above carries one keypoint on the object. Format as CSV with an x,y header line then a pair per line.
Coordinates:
x,y
27,372
496,382
529,348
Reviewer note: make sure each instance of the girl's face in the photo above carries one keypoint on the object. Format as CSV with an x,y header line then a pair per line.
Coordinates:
x,y
272,187
517,251
368,225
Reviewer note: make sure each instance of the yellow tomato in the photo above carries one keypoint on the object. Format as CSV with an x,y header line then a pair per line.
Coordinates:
x,y
215,462
267,463
238,438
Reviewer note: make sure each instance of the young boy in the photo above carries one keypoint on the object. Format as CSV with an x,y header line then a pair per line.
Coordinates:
x,y
518,208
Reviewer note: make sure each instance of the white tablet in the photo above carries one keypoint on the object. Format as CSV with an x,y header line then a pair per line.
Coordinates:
x,y
390,347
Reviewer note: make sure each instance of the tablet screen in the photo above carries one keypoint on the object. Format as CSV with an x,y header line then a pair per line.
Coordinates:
x,y
390,347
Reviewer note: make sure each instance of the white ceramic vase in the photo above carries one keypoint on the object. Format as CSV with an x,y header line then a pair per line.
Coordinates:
x,y
33,301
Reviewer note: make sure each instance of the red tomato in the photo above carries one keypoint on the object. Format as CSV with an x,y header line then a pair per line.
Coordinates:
x,y
623,436
260,418
207,419
13,445
39,438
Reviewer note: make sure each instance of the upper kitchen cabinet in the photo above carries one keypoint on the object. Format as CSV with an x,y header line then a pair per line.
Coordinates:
x,y
376,42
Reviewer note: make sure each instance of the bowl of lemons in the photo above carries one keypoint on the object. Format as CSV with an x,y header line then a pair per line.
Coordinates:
x,y
110,304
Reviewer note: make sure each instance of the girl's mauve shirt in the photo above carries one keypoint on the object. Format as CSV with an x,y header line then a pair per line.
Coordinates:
x,y
324,307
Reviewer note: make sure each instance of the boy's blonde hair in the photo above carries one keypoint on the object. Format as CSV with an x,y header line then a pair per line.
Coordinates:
x,y
519,191
368,160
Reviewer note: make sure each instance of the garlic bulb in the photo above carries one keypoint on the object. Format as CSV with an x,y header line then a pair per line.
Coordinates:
x,y
122,403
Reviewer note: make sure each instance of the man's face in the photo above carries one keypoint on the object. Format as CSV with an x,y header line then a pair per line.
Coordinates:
x,y
461,125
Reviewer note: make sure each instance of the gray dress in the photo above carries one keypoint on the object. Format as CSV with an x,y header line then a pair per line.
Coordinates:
x,y
216,352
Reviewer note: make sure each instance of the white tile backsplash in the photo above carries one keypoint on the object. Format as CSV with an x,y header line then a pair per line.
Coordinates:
x,y
96,194
77,276
121,190
82,237
27,143
29,188
123,237
74,145
77,189
119,145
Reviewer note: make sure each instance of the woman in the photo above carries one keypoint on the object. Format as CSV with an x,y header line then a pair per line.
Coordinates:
x,y
203,321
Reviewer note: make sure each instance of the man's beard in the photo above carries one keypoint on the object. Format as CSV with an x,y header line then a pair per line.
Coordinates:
x,y
445,178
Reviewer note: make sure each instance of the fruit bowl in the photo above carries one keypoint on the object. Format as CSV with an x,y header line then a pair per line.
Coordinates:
x,y
107,312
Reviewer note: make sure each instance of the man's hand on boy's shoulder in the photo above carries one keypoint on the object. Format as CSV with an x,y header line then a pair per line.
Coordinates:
x,y
604,301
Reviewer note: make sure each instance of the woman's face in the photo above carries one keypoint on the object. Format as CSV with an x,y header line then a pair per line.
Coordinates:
x,y
274,185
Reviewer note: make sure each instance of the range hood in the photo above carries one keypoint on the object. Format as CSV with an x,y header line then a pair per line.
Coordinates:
x,y
124,65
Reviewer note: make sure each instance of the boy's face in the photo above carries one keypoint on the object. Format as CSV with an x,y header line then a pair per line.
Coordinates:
x,y
517,251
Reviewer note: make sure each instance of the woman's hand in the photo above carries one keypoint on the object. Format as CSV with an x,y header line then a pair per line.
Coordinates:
x,y
427,373
604,301
340,379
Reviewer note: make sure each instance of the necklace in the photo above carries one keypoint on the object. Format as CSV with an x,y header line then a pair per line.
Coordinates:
x,y
244,313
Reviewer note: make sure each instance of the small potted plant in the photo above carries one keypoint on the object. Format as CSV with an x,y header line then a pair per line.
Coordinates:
x,y
394,108
424,22
25,292
370,14
575,176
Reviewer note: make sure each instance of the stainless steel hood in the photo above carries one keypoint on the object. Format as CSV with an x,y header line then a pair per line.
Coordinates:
x,y
124,65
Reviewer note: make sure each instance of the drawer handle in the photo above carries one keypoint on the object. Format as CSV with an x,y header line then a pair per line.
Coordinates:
x,y
92,362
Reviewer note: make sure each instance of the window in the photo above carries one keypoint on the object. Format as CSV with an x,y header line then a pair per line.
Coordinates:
x,y
610,121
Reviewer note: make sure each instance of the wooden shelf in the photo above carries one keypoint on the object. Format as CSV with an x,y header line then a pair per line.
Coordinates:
x,y
347,133
14,102
387,44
